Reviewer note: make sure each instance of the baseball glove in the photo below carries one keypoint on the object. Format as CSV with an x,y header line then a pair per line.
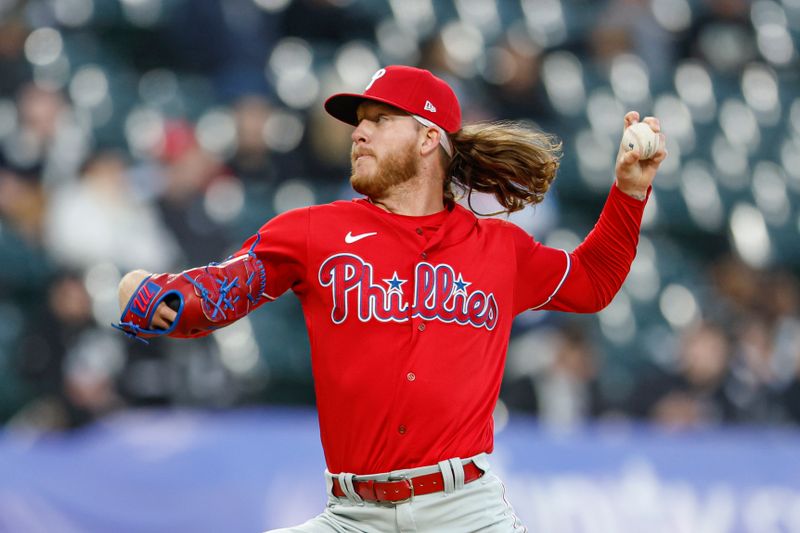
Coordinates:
x,y
205,298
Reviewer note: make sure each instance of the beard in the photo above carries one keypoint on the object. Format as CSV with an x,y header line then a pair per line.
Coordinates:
x,y
392,170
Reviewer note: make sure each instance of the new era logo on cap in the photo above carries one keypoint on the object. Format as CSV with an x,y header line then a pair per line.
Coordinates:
x,y
411,89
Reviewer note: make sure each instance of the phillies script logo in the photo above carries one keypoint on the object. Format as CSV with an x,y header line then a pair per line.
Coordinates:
x,y
438,294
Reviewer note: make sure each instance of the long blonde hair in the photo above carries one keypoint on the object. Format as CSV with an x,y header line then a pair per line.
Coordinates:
x,y
513,162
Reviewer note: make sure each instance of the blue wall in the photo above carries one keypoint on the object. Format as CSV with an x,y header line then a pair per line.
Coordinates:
x,y
260,469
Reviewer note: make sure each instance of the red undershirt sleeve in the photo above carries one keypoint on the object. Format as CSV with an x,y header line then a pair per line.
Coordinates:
x,y
601,263
586,280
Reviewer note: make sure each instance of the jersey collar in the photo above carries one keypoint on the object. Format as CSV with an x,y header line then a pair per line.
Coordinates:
x,y
457,225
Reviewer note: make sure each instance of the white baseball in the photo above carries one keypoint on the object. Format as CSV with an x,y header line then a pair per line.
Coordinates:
x,y
640,137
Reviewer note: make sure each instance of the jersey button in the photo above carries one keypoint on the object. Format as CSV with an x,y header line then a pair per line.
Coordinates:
x,y
424,255
411,376
401,429
421,327
419,231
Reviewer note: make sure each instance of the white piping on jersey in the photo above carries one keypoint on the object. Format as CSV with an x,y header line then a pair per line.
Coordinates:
x,y
265,295
560,283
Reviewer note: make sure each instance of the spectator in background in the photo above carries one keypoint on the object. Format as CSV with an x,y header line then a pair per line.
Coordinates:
x,y
23,277
515,85
768,351
754,386
628,27
744,371
329,143
26,263
252,159
22,203
784,294
184,173
696,394
552,371
99,219
760,309
722,36
48,137
68,365
736,289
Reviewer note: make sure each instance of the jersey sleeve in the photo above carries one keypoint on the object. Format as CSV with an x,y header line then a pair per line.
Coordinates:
x,y
281,245
593,273
541,271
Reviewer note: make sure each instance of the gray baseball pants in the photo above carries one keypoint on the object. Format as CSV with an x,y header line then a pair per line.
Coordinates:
x,y
477,506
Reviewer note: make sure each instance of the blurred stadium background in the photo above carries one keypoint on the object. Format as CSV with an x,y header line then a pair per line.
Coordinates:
x,y
162,133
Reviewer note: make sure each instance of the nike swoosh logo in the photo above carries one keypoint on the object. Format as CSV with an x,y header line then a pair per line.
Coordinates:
x,y
350,238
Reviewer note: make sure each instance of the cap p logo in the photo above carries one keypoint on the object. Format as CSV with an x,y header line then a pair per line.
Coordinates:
x,y
413,90
379,74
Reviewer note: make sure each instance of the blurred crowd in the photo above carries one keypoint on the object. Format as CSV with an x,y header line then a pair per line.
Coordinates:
x,y
735,363
160,134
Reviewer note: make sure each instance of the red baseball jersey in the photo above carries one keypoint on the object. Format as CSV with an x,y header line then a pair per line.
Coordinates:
x,y
409,317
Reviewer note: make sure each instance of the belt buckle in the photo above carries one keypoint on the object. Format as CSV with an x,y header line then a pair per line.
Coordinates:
x,y
402,477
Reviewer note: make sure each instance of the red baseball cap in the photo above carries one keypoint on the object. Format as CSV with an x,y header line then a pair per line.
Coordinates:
x,y
414,90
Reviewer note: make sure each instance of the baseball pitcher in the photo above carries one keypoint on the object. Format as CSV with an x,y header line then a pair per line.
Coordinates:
x,y
409,298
